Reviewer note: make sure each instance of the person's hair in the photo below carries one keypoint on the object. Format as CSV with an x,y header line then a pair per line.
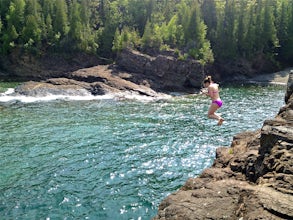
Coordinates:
x,y
208,79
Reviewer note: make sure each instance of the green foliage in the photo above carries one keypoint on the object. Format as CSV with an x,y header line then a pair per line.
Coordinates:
x,y
138,13
152,37
61,18
75,34
0,25
32,32
226,46
125,39
14,23
203,30
285,30
197,44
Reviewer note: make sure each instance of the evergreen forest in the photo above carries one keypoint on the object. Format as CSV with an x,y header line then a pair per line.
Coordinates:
x,y
202,29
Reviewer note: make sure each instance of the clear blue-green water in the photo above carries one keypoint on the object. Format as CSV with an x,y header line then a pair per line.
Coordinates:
x,y
114,159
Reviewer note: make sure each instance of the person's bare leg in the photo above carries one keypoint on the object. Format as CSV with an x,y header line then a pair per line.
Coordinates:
x,y
211,113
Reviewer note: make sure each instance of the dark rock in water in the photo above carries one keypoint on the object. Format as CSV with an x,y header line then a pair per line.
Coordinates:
x,y
253,179
39,89
98,80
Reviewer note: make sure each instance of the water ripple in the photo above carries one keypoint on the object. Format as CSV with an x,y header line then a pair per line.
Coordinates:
x,y
107,159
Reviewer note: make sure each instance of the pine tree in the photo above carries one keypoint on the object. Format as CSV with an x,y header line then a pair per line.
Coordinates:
x,y
183,19
15,21
283,27
4,7
117,42
75,31
48,13
31,34
32,30
287,46
60,24
197,44
15,15
269,34
259,26
227,31
48,7
242,28
283,21
0,26
138,14
48,33
112,21
209,11
250,37
88,43
235,28
171,32
147,38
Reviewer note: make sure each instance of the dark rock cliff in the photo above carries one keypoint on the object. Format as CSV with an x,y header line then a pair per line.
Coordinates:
x,y
134,72
163,72
253,179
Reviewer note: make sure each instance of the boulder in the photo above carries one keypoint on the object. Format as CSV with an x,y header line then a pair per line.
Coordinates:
x,y
253,179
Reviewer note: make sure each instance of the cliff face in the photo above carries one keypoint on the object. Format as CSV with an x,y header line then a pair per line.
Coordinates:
x,y
253,179
164,72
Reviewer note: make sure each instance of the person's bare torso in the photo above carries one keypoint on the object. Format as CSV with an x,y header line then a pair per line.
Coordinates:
x,y
213,91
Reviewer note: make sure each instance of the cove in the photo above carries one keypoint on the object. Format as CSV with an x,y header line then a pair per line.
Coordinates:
x,y
114,159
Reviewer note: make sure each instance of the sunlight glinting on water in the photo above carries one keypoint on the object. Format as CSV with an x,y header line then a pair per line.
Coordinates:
x,y
113,158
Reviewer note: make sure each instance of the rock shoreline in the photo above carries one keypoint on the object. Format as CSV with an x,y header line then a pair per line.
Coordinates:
x,y
97,80
133,73
253,179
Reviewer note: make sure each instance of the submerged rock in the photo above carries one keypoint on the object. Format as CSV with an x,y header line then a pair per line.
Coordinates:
x,y
253,179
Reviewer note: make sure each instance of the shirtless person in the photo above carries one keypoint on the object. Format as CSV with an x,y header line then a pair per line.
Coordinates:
x,y
213,93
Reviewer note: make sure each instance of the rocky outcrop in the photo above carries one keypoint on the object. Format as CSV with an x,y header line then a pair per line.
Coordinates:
x,y
163,72
253,179
98,80
134,72
240,70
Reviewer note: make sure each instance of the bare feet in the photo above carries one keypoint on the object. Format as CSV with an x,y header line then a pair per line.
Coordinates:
x,y
220,122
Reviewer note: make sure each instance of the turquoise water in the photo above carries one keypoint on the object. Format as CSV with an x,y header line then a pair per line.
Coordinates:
x,y
114,159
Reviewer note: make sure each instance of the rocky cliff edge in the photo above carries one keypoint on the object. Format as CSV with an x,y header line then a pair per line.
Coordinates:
x,y
253,179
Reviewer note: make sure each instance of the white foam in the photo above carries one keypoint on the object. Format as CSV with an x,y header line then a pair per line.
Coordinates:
x,y
135,96
10,96
9,91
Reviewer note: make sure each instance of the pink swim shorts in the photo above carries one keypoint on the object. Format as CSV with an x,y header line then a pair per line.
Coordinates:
x,y
219,102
